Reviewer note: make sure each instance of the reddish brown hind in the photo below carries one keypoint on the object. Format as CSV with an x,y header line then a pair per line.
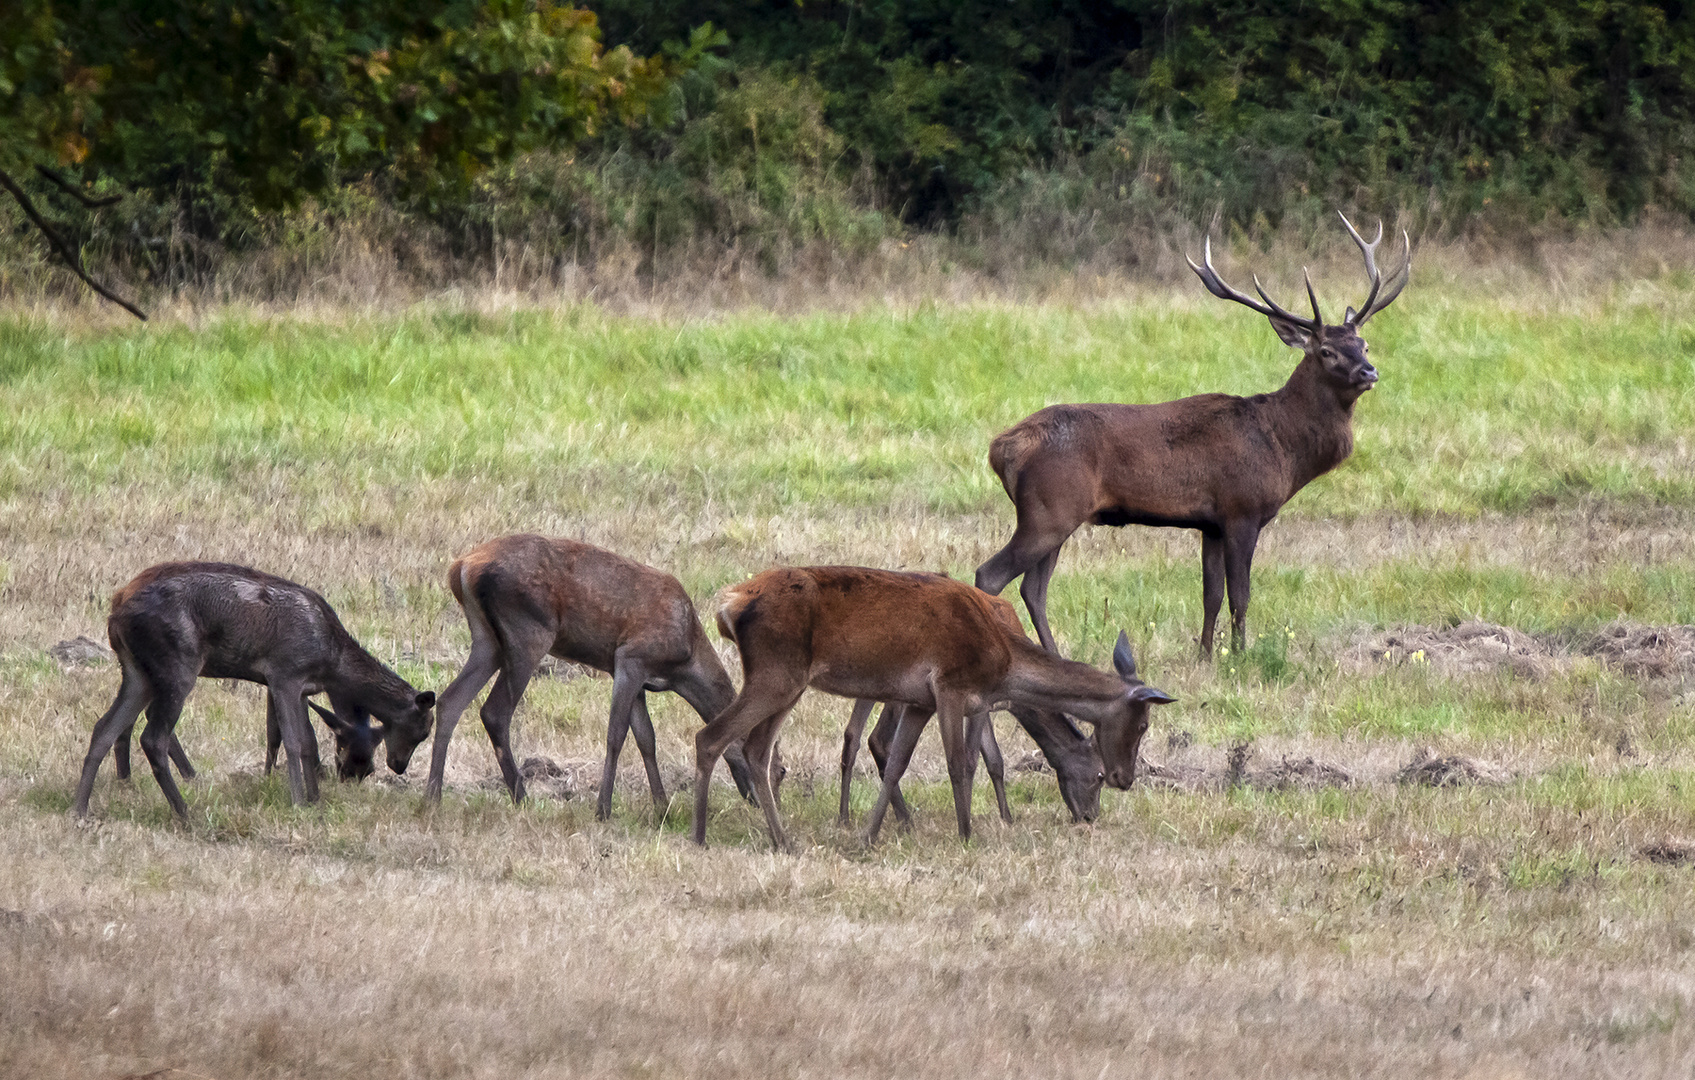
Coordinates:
x,y
176,622
933,644
1222,465
528,596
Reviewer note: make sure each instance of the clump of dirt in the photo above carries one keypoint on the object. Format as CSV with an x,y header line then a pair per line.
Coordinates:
x,y
1652,652
1183,777
1670,853
80,651
542,776
1467,649
1301,773
1032,761
1449,771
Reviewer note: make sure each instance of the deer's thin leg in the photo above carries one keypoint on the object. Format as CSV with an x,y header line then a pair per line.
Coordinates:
x,y
695,691
763,697
1239,546
627,682
984,738
851,736
179,757
119,719
882,737
1034,590
962,760
483,662
162,714
1212,587
290,705
120,752
911,726
759,745
273,733
497,716
641,726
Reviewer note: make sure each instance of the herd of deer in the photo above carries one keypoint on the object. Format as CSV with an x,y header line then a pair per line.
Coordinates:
x,y
923,644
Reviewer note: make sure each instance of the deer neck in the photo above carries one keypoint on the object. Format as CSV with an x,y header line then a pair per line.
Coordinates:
x,y
1038,679
1313,422
361,679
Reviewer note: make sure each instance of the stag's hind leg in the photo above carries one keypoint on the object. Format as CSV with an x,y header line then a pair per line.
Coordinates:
x,y
909,728
882,742
133,695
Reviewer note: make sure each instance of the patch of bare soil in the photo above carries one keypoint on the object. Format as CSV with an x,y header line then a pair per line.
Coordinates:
x,y
547,778
1449,771
1303,772
1670,853
1654,652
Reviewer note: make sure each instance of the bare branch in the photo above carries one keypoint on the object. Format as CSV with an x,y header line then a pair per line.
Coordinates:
x,y
74,192
63,249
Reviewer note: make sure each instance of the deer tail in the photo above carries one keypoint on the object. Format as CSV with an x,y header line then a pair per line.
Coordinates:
x,y
731,604
1010,449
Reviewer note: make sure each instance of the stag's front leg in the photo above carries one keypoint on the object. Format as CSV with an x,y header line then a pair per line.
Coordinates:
x,y
851,737
1212,588
1239,547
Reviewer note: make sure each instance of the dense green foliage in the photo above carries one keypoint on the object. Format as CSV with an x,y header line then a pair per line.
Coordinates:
x,y
1581,107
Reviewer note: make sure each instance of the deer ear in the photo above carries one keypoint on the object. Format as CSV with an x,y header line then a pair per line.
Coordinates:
x,y
1349,317
1122,660
1151,696
425,700
1293,336
330,719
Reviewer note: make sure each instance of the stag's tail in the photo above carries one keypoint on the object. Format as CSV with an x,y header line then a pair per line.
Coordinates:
x,y
1011,448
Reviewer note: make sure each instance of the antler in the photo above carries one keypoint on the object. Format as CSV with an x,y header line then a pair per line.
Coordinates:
x,y
1397,281
1270,309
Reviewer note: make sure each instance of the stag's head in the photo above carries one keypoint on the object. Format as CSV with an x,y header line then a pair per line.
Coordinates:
x,y
1337,349
1120,740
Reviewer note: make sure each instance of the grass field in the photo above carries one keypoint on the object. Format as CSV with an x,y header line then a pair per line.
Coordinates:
x,y
1525,463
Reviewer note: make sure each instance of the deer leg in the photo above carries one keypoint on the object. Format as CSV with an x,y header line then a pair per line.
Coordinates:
x,y
882,737
290,705
627,679
962,760
309,759
118,720
1212,587
850,750
162,714
273,733
697,692
762,698
1239,547
1034,590
178,757
641,725
910,727
497,719
480,666
120,752
760,743
983,737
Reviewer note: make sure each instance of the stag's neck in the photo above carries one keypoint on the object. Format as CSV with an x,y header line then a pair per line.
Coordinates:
x,y
1312,422
1037,679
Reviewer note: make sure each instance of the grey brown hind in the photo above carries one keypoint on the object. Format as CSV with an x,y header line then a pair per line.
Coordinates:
x,y
176,622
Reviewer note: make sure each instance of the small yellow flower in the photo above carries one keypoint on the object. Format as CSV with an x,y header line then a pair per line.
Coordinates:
x,y
1418,657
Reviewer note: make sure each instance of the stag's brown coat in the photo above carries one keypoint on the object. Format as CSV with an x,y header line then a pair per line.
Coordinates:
x,y
1220,464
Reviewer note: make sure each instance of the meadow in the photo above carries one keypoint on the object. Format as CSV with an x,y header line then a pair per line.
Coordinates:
x,y
1501,578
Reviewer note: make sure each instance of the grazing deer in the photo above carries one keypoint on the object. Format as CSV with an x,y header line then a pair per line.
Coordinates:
x,y
527,596
933,644
176,622
1075,760
355,745
1223,465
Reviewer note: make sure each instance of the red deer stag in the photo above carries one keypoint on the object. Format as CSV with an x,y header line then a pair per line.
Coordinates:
x,y
1223,465
527,596
926,641
176,622
1075,760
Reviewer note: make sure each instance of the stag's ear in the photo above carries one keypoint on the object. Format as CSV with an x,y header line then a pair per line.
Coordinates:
x,y
1349,317
1296,337
425,700
1122,660
1151,696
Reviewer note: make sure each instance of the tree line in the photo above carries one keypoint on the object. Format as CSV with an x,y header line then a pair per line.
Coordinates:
x,y
778,122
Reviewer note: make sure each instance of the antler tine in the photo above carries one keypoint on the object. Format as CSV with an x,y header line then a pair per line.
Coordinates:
x,y
1317,317
1370,253
1278,311
1397,281
1216,285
